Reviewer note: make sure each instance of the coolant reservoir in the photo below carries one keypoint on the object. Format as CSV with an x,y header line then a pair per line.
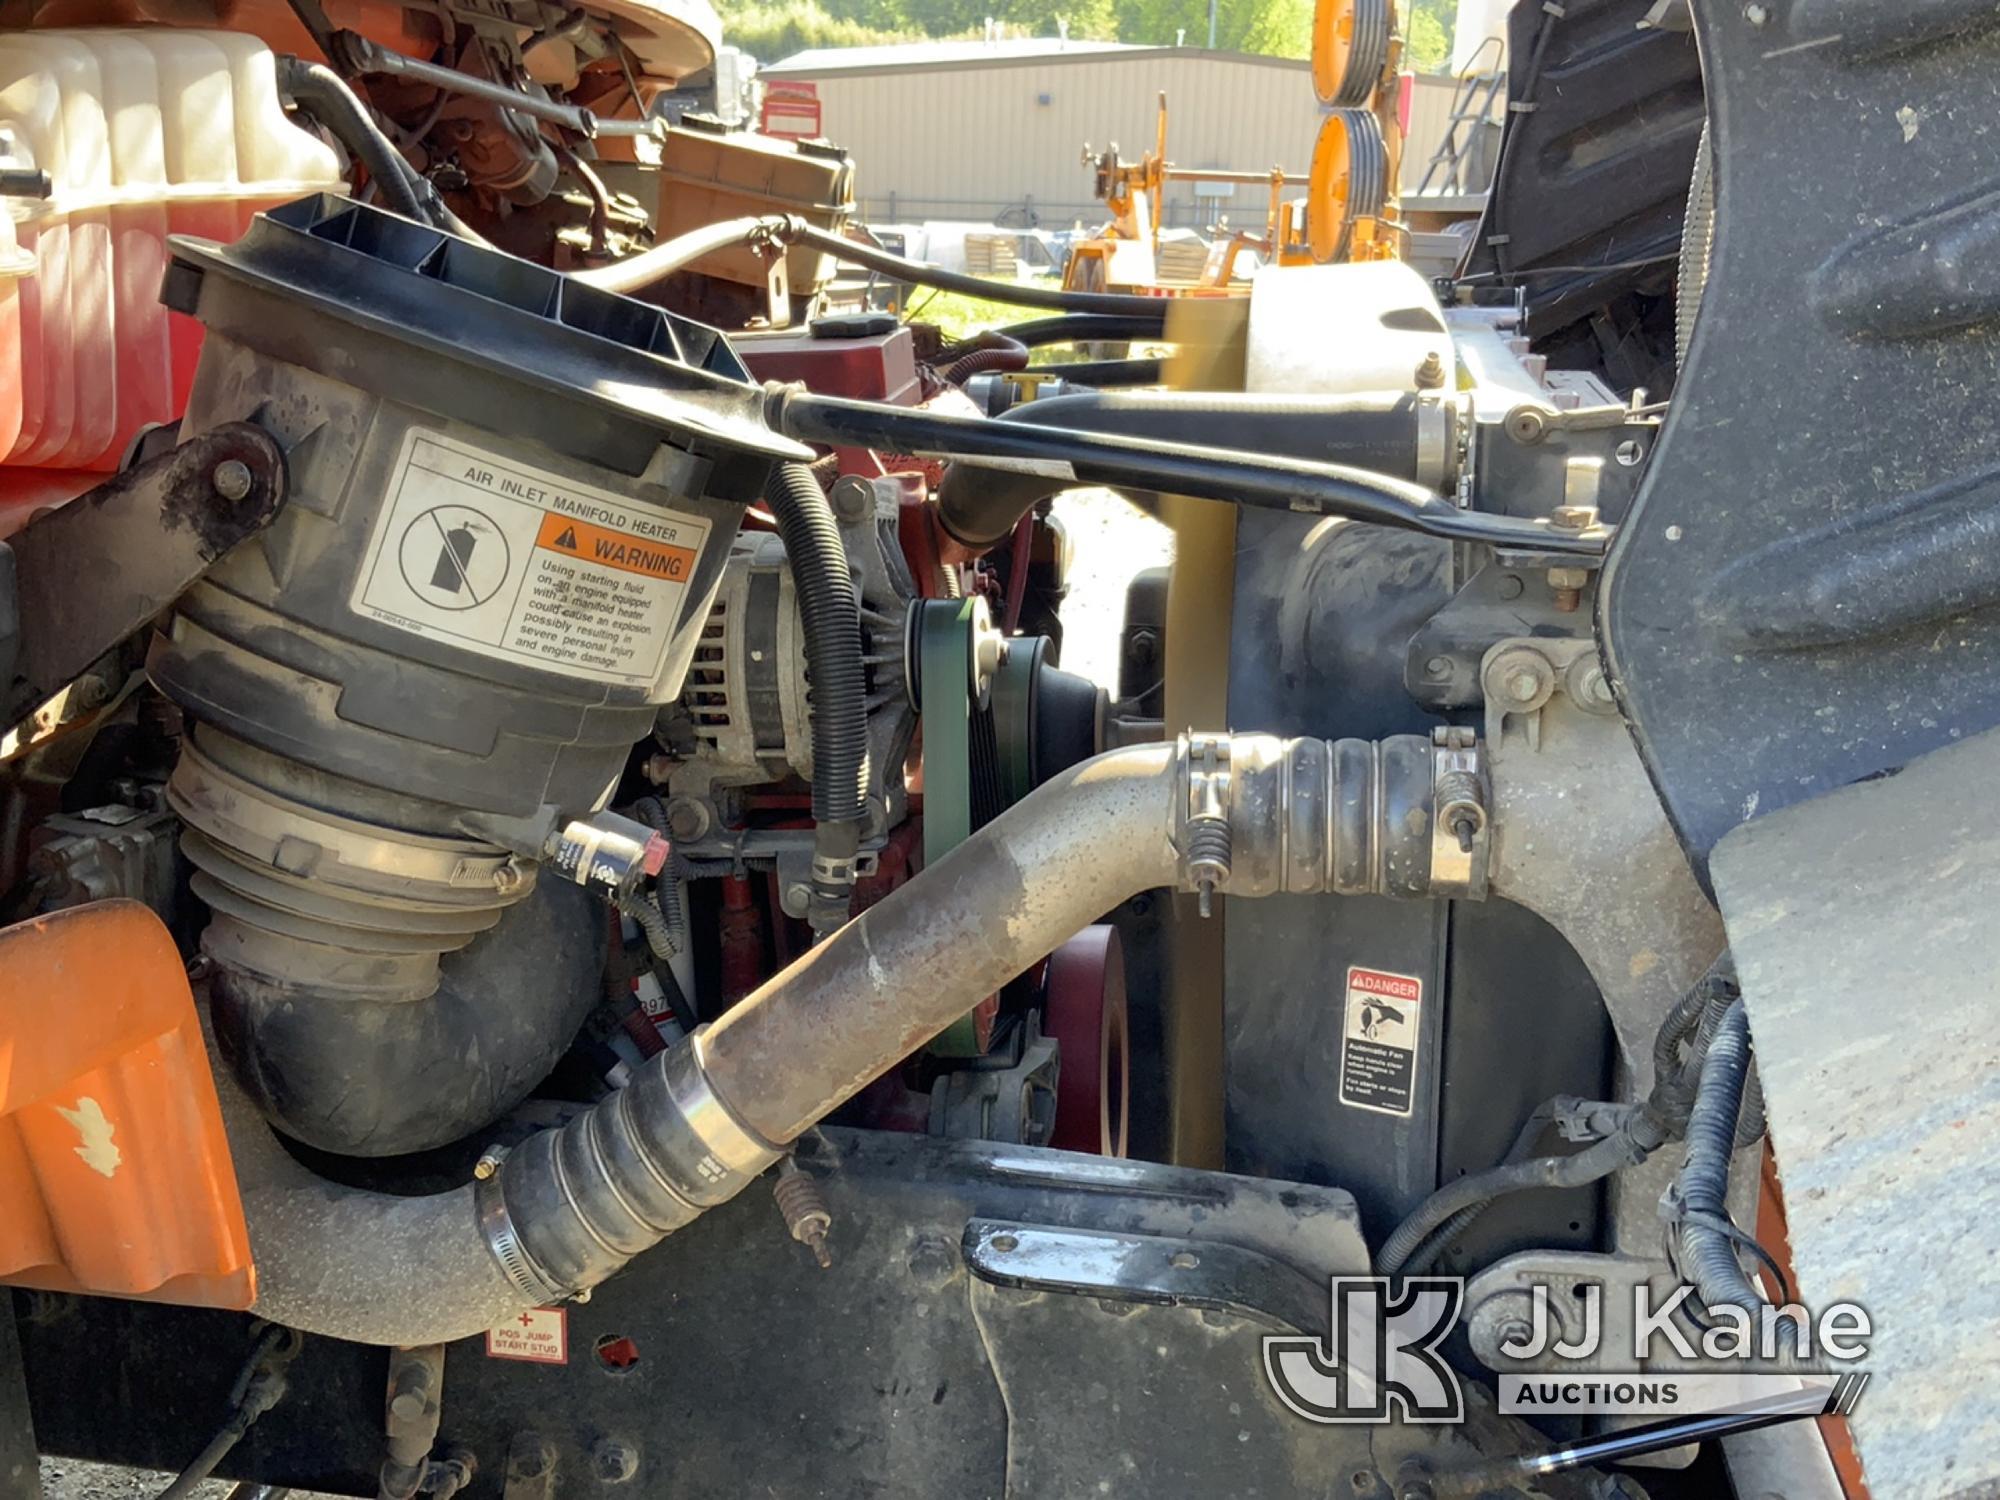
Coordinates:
x,y
16,266
144,133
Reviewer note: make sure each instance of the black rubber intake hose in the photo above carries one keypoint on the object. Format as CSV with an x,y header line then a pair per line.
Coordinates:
x,y
360,1076
831,618
1381,434
1708,1240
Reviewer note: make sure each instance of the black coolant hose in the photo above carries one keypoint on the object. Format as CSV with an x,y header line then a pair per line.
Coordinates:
x,y
1083,328
1025,461
325,95
1708,1240
993,353
1636,1139
784,229
831,619
1014,293
1103,374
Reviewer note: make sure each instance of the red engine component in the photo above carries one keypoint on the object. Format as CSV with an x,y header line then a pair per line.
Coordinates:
x,y
1086,1016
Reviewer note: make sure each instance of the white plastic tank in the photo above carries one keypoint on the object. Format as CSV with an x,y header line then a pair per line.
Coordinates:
x,y
144,133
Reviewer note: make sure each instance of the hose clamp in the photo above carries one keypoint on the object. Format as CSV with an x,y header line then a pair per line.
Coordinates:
x,y
1207,838
731,1150
1461,829
503,1240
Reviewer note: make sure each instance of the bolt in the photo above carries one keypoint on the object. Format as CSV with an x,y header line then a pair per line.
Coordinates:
x,y
1588,685
509,878
852,499
1630,452
1184,1260
1430,374
1510,586
1757,15
806,1214
1573,517
1465,828
687,819
1566,586
1438,666
797,899
615,1460
933,1259
489,1162
1527,424
1524,685
407,1406
232,479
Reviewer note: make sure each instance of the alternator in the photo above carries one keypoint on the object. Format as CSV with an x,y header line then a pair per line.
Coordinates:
x,y
743,717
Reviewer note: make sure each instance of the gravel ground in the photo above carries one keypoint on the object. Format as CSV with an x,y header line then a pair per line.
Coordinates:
x,y
1110,542
72,1479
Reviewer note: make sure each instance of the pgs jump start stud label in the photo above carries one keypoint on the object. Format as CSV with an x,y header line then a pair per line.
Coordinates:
x,y
526,566
540,1336
1378,1041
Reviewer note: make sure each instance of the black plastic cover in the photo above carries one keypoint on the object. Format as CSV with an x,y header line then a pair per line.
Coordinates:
x,y
419,286
1808,591
1595,163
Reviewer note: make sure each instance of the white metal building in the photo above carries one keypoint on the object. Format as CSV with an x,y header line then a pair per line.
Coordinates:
x,y
996,130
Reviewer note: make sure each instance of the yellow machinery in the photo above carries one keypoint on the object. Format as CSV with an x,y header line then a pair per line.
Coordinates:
x,y
1349,208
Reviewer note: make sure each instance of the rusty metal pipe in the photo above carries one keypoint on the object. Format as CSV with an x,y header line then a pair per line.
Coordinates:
x,y
911,965
1248,815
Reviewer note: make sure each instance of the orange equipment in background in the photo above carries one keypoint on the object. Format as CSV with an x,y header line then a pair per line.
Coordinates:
x,y
1349,212
115,1177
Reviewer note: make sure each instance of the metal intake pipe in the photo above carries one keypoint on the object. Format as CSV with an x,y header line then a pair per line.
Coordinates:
x,y
1246,814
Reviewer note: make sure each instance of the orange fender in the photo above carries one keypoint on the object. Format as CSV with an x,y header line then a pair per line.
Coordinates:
x,y
115,1175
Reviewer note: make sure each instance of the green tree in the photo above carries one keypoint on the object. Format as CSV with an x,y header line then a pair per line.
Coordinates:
x,y
1430,27
772,29
1429,49
1280,28
1086,18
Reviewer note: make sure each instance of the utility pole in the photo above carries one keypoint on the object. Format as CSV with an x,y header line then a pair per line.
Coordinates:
x,y
1211,25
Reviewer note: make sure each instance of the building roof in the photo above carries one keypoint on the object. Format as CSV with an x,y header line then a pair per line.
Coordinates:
x,y
822,62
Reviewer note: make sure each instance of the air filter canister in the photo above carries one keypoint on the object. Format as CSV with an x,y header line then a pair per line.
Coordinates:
x,y
509,501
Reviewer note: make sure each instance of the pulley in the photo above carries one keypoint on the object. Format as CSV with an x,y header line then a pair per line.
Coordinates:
x,y
1350,50
1349,181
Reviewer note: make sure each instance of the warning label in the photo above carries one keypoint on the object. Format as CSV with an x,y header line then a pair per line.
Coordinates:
x,y
1378,1047
540,1335
511,562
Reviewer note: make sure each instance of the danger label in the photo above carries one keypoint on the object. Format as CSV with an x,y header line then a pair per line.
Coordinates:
x,y
540,1335
1378,1047
512,562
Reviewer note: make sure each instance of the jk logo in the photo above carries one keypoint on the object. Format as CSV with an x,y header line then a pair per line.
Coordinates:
x,y
1382,1358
